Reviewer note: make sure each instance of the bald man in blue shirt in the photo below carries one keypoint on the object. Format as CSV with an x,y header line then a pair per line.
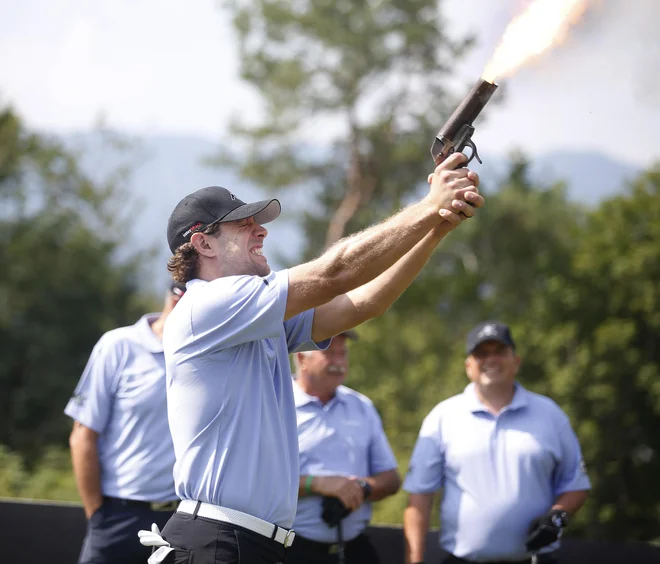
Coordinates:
x,y
346,462
229,387
507,461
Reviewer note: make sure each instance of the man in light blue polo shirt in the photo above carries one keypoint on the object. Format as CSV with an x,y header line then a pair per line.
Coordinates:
x,y
345,460
121,448
230,394
507,460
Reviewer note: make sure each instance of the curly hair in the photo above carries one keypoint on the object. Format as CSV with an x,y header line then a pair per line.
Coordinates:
x,y
184,264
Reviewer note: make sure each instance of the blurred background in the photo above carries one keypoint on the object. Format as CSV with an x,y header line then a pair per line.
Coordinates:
x,y
111,112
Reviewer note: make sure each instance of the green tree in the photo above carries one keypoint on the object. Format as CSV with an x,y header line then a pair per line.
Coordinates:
x,y
379,69
51,479
63,283
601,362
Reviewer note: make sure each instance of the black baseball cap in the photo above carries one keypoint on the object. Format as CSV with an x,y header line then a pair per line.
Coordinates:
x,y
488,331
214,204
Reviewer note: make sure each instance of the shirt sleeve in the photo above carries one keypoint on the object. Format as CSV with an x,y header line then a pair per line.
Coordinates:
x,y
381,457
426,469
298,331
234,310
91,403
570,474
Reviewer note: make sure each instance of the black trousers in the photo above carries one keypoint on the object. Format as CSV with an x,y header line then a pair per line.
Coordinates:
x,y
112,532
356,551
548,558
204,541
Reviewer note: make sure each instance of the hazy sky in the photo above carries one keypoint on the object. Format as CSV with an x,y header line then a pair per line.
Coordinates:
x,y
167,66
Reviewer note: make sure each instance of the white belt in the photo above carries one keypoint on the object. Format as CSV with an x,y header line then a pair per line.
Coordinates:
x,y
226,515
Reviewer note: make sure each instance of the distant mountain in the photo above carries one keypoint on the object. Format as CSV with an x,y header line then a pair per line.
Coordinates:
x,y
590,177
172,166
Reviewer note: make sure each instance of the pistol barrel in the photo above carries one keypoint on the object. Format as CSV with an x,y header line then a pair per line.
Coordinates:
x,y
456,134
469,108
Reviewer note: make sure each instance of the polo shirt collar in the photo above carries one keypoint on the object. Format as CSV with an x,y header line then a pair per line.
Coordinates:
x,y
520,399
145,336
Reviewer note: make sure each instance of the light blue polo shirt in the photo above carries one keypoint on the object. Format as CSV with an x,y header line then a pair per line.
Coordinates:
x,y
344,437
230,397
498,472
121,396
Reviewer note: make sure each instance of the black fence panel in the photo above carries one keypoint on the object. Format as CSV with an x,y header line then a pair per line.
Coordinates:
x,y
37,532
389,541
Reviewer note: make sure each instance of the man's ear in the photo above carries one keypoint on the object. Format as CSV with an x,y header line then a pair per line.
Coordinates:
x,y
202,244
466,364
299,361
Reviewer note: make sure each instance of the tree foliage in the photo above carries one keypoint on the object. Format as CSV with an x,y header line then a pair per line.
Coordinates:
x,y
379,69
51,479
63,284
600,358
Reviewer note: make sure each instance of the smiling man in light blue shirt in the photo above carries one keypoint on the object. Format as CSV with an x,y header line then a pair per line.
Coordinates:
x,y
506,459
344,457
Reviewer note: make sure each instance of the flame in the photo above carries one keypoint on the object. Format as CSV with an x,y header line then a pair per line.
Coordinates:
x,y
541,26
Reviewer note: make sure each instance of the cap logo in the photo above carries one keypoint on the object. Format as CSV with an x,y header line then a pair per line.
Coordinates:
x,y
487,331
232,196
193,228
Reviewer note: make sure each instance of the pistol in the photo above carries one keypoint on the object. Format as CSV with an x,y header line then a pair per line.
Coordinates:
x,y
457,133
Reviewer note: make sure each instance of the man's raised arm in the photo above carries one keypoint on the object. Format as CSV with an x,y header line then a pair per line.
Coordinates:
x,y
375,297
358,259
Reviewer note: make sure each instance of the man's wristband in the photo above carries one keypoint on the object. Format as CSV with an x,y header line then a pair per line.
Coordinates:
x,y
308,484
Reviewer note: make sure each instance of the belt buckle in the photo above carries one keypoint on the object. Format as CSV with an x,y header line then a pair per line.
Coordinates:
x,y
288,538
163,505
